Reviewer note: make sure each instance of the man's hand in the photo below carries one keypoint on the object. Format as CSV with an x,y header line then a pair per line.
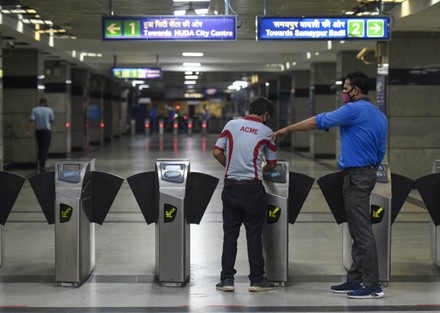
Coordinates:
x,y
279,134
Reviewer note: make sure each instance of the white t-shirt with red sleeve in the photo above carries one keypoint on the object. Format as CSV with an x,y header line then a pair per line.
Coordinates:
x,y
245,141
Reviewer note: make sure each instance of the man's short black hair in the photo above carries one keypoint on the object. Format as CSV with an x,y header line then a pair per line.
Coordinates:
x,y
359,79
261,105
43,102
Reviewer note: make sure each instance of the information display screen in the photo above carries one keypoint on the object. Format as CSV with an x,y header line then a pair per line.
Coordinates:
x,y
137,73
71,167
172,167
169,28
323,28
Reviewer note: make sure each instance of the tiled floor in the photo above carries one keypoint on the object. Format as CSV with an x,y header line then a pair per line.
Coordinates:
x,y
123,278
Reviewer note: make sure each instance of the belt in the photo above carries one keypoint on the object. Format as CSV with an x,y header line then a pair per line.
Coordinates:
x,y
352,170
242,182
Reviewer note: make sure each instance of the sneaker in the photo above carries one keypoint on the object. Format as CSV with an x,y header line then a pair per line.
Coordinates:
x,y
346,287
226,285
367,293
263,285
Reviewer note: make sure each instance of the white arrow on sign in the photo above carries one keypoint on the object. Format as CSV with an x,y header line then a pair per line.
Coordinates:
x,y
112,28
375,28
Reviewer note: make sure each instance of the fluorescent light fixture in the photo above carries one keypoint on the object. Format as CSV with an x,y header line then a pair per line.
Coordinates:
x,y
201,11
190,1
329,45
192,64
143,87
191,76
308,55
179,12
192,54
190,82
188,73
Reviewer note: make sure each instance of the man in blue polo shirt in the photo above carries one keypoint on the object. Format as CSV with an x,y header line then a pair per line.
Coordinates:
x,y
363,130
42,117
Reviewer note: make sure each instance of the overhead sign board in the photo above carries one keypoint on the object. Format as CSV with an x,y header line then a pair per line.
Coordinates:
x,y
195,28
323,28
137,73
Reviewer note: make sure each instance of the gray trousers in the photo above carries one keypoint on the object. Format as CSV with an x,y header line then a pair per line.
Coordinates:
x,y
357,188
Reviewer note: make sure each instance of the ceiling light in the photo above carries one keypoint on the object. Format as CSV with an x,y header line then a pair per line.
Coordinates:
x,y
191,64
192,54
191,77
191,0
179,12
188,73
189,82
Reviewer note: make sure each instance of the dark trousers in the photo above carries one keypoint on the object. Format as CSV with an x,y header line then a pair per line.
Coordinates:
x,y
43,141
243,204
357,188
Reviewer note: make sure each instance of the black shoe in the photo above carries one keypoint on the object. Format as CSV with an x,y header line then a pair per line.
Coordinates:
x,y
226,285
346,287
367,293
263,285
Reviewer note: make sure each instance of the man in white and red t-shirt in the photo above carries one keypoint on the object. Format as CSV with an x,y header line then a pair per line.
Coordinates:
x,y
241,148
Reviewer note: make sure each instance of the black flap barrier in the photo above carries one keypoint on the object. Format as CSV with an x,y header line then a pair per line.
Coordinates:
x,y
145,188
299,188
10,186
43,186
105,187
331,187
400,189
429,188
199,190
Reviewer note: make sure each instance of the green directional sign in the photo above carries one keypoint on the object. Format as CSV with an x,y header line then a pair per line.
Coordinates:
x,y
132,28
356,28
113,28
375,28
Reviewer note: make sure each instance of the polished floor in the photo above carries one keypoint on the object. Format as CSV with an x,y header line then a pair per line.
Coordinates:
x,y
123,278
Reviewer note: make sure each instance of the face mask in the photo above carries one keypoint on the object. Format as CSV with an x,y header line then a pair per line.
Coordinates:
x,y
346,96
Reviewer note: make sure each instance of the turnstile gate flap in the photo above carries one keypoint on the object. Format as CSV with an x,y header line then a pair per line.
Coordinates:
x,y
43,186
10,186
331,187
400,189
199,190
299,188
429,188
145,189
105,187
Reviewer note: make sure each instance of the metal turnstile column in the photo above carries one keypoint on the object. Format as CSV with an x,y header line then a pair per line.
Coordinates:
x,y
74,229
435,229
172,229
276,225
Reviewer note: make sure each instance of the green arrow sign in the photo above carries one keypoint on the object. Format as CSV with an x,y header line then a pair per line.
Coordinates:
x,y
113,28
375,28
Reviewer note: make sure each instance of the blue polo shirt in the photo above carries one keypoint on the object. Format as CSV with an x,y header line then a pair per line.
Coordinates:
x,y
42,116
363,129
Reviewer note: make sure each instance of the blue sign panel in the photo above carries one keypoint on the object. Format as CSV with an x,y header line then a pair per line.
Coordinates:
x,y
169,28
323,28
137,73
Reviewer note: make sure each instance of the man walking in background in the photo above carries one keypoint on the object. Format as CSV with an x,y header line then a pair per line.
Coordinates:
x,y
42,117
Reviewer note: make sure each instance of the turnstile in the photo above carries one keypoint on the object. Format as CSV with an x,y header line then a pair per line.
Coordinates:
x,y
74,197
10,186
429,189
173,198
285,194
386,200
